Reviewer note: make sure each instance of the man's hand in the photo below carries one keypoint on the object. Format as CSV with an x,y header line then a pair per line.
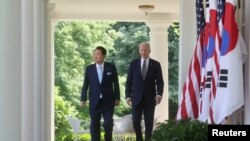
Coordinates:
x,y
158,99
82,103
117,102
129,101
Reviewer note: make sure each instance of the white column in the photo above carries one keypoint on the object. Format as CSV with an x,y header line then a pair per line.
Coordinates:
x,y
40,71
10,70
28,70
50,72
22,69
34,70
187,39
159,52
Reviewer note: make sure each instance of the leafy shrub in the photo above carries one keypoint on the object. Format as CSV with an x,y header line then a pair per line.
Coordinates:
x,y
85,137
63,109
124,137
189,130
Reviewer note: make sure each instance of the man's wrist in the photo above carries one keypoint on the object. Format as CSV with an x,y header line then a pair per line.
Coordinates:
x,y
158,96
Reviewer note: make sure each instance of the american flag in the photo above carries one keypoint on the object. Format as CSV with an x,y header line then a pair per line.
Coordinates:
x,y
200,18
220,9
188,107
220,15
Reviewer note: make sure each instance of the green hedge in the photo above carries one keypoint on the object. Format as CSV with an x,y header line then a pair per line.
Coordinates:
x,y
189,130
87,137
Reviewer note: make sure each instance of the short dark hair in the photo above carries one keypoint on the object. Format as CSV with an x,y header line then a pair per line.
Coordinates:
x,y
102,49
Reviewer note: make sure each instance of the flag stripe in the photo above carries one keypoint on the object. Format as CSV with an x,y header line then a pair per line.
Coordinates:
x,y
191,89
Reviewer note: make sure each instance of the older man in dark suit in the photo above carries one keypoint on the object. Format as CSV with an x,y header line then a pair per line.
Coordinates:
x,y
144,88
102,80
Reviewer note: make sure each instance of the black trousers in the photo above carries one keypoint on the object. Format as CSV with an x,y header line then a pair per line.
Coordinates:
x,y
107,113
147,109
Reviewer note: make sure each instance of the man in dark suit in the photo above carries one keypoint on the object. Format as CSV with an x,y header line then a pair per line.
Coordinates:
x,y
144,88
102,80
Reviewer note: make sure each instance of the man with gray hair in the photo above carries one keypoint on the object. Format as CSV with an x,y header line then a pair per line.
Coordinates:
x,y
144,88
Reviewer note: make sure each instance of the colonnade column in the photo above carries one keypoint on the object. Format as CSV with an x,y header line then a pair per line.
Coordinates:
x,y
159,52
22,70
187,40
10,70
50,72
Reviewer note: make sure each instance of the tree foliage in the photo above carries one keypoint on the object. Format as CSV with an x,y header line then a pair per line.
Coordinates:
x,y
173,55
74,44
126,44
63,110
173,58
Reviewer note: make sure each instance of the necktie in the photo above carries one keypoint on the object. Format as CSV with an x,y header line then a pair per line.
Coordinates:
x,y
99,72
144,70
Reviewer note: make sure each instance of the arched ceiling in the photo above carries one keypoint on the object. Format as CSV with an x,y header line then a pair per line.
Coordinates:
x,y
114,9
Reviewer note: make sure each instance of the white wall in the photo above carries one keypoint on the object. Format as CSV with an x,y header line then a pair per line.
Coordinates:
x,y
10,70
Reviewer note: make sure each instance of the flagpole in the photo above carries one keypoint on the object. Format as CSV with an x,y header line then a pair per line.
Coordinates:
x,y
228,120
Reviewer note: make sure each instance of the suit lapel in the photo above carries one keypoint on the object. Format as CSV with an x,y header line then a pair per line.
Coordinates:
x,y
150,66
138,65
104,72
94,73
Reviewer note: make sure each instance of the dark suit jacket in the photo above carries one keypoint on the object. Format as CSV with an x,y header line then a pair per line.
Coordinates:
x,y
136,87
109,86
